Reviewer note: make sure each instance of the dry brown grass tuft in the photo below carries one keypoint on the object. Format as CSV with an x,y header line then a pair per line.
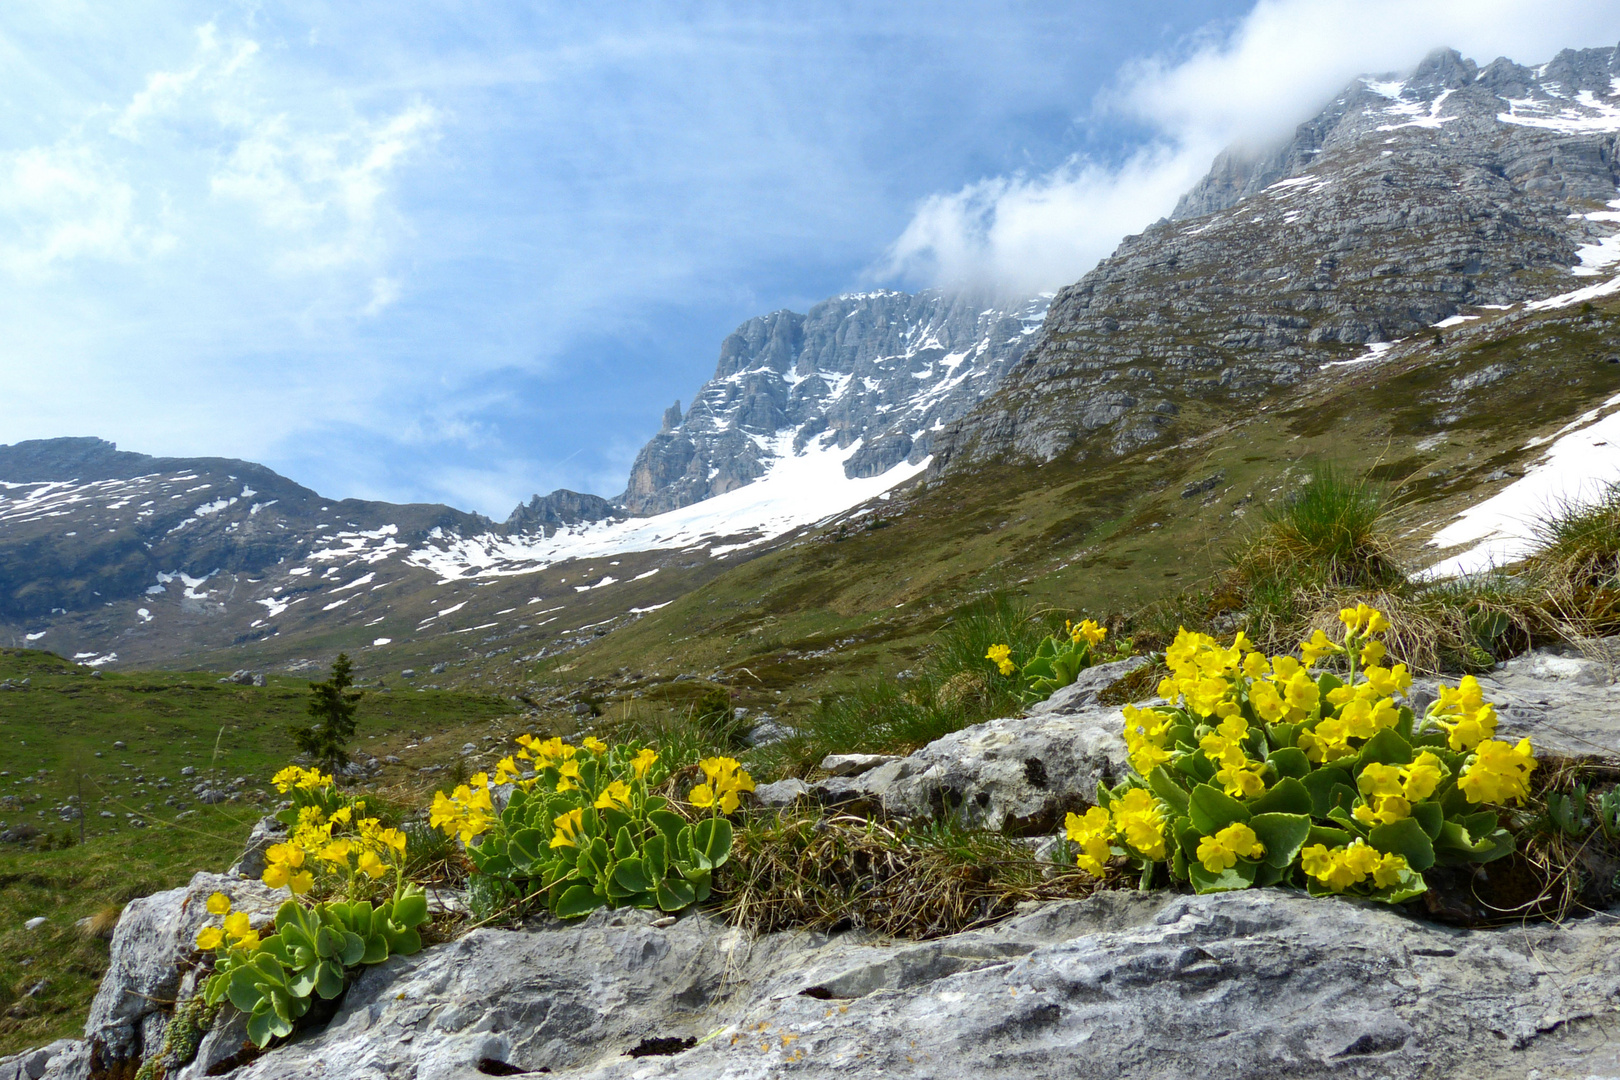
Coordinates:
x,y
801,870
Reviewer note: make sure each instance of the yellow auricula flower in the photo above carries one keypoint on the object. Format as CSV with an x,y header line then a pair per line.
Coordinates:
x,y
642,762
1498,772
1001,656
210,938
219,904
1091,833
594,745
567,829
1221,851
616,796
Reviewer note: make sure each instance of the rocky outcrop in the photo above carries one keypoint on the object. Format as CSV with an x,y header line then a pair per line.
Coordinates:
x,y
1264,984
1403,200
545,514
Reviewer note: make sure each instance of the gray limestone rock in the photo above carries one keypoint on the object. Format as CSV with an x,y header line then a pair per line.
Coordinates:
x,y
1019,775
1087,685
267,832
154,934
781,793
1262,984
854,764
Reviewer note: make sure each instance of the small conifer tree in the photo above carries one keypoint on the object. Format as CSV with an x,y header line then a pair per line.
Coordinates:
x,y
331,707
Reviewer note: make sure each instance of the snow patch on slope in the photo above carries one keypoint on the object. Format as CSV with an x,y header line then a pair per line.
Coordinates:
x,y
1577,468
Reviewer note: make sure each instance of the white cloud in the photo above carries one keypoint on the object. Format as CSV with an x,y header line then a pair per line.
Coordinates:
x,y
212,64
1277,67
323,188
62,203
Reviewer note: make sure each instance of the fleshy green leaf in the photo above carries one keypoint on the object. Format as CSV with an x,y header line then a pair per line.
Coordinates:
x,y
1162,784
329,981
1387,748
630,875
1211,811
1289,761
1286,796
1240,876
1407,839
527,847
1430,816
1320,783
711,838
1282,834
576,900
411,908
675,894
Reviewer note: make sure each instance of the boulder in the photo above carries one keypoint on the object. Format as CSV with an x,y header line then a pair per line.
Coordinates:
x,y
1122,985
62,1058
781,793
1019,774
1087,685
267,832
154,935
1565,700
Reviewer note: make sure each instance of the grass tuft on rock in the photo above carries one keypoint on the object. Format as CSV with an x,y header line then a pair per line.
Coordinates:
x,y
801,870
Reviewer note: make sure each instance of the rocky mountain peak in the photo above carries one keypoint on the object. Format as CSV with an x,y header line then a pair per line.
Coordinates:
x,y
1402,201
871,377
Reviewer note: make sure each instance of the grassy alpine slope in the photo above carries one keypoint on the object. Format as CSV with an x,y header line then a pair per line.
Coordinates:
x,y
1441,426
56,739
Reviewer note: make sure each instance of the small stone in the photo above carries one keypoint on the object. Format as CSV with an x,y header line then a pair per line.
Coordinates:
x,y
120,744
35,923
854,764
782,793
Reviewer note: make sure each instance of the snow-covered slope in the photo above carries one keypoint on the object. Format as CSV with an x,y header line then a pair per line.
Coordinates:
x,y
800,486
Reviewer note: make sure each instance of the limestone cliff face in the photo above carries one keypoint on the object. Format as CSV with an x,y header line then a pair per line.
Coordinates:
x,y
1401,202
889,369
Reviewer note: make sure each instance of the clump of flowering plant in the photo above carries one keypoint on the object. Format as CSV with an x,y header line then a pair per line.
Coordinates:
x,y
581,827
314,948
1264,770
1057,661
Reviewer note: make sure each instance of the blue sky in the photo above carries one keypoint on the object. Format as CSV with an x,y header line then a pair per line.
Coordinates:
x,y
464,252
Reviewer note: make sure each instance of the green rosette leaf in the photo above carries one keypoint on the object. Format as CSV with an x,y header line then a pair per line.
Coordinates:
x,y
1407,839
1282,834
576,900
1286,796
1240,876
1289,761
1212,810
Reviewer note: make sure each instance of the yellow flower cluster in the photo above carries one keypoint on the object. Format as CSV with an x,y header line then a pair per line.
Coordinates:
x,y
1223,850
1498,772
467,811
1388,791
1468,719
1001,656
1145,733
1087,631
303,779
338,843
237,931
725,780
1238,773
1341,868
1136,818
